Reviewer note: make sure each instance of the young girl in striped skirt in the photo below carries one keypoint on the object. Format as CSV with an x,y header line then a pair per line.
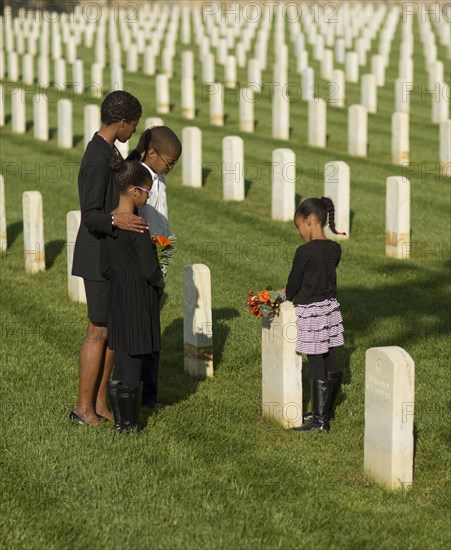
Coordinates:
x,y
312,287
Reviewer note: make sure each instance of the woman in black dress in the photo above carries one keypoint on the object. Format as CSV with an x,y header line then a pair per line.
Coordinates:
x,y
136,282
120,114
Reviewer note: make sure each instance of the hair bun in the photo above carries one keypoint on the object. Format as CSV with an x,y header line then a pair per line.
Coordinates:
x,y
116,162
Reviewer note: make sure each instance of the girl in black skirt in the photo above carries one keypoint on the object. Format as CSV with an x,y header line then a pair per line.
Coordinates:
x,y
136,282
312,287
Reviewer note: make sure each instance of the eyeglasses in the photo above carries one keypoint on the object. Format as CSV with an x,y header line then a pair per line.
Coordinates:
x,y
168,166
148,191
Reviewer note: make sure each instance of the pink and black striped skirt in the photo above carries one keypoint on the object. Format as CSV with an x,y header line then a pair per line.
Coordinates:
x,y
319,327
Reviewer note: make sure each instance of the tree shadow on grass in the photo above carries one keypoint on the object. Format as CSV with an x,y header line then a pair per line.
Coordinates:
x,y
413,312
418,312
175,384
52,251
76,139
221,331
13,231
247,186
205,173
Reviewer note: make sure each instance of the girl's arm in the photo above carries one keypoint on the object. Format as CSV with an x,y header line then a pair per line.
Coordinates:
x,y
295,277
149,266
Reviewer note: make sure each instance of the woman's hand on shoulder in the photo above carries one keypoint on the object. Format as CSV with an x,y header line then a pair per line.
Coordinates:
x,y
130,222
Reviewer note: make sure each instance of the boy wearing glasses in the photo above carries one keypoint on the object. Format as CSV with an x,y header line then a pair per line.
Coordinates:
x,y
162,149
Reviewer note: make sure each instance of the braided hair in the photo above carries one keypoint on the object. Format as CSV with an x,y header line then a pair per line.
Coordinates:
x,y
322,209
128,173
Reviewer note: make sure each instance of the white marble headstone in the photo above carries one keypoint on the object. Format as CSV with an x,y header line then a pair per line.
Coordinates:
x,y
27,69
280,114
33,231
389,414
440,102
281,369
162,92
75,285
400,147
40,117
78,76
230,72
154,121
43,71
91,122
247,123
308,84
64,110
216,104
283,184
357,131
337,89
188,101
352,67
197,321
18,120
397,218
233,168
368,93
192,157
317,122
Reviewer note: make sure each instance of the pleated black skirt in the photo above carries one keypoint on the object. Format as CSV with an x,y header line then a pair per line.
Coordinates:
x,y
133,314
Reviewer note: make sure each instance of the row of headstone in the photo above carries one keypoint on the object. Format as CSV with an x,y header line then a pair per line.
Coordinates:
x,y
40,117
315,39
280,109
403,89
198,344
389,398
336,186
229,61
65,140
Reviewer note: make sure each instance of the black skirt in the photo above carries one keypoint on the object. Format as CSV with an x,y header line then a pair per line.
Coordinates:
x,y
133,314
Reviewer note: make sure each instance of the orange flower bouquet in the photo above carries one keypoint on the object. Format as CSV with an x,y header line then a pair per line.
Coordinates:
x,y
165,248
266,302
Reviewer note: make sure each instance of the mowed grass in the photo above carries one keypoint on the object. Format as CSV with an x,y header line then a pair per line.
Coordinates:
x,y
209,472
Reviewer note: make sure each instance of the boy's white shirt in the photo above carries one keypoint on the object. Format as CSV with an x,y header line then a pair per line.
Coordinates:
x,y
156,209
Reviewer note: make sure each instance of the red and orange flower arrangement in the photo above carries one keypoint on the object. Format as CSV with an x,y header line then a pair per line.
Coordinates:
x,y
266,302
165,248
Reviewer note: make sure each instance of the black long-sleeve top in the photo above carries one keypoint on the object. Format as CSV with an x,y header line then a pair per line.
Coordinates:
x,y
98,198
313,276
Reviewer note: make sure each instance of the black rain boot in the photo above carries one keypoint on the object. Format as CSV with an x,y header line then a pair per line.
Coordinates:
x,y
129,401
112,386
321,391
336,378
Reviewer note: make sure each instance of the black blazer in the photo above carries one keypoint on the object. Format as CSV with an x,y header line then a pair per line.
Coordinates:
x,y
98,197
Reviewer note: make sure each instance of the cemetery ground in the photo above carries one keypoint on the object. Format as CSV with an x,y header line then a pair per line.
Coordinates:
x,y
209,472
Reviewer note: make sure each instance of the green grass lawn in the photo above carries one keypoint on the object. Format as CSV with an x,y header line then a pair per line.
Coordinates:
x,y
209,472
